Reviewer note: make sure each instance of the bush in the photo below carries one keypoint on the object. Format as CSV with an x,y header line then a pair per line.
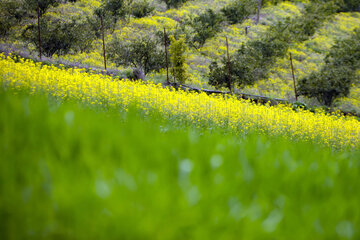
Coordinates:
x,y
178,57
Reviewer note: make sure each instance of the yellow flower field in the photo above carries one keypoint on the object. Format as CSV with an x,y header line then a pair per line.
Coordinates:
x,y
235,115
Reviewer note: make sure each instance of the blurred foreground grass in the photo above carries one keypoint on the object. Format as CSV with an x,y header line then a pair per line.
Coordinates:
x,y
67,172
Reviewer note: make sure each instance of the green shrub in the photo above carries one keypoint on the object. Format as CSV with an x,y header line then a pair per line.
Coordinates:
x,y
178,57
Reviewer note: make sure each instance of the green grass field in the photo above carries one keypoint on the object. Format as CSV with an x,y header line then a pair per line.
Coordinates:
x,y
70,172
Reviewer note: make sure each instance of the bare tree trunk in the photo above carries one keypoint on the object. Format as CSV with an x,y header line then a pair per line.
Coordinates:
x,y
103,39
293,76
166,59
39,33
228,65
258,11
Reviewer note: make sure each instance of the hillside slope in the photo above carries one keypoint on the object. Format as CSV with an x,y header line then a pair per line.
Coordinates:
x,y
308,55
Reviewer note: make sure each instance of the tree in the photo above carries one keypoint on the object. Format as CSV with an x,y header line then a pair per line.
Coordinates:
x,y
11,14
116,9
61,36
251,62
239,10
335,78
143,54
349,5
173,3
260,2
205,26
254,59
109,13
101,14
178,58
40,6
219,74
326,85
315,14
141,9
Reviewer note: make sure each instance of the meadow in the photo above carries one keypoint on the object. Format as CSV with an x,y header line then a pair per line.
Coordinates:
x,y
72,171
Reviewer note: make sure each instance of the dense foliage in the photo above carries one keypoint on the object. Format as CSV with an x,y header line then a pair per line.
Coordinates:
x,y
41,5
11,14
115,9
141,9
178,57
254,59
239,10
337,75
205,26
173,3
61,37
349,5
144,55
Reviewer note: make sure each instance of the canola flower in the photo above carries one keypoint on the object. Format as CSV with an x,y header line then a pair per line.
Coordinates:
x,y
230,113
